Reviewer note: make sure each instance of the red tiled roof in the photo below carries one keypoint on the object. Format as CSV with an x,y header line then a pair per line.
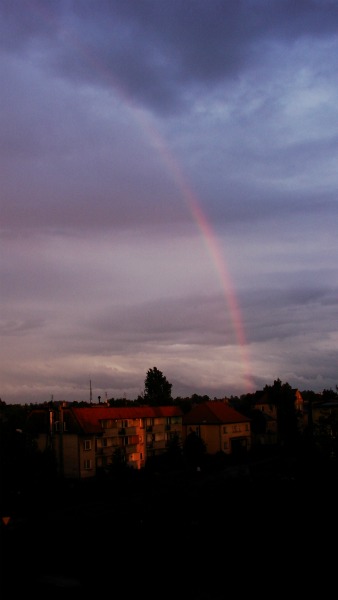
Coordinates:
x,y
89,418
213,413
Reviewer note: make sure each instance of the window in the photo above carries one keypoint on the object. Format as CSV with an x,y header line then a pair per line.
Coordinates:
x,y
60,426
236,428
224,429
104,442
87,465
87,444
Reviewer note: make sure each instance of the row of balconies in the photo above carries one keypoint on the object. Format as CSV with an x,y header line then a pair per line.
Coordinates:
x,y
109,450
134,429
130,448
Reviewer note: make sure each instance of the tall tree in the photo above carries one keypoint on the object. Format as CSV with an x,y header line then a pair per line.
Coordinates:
x,y
157,389
194,450
283,397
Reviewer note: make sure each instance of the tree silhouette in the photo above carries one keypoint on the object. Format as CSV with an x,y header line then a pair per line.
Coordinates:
x,y
157,389
283,397
194,450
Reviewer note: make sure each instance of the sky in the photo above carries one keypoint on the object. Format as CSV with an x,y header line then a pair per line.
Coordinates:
x,y
168,197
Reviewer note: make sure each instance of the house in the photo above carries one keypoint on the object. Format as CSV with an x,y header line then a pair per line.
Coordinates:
x,y
221,427
85,440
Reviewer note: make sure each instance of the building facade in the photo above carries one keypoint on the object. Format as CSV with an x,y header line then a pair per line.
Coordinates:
x,y
87,440
220,426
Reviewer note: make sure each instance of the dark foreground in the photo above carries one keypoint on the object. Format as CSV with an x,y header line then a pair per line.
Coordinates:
x,y
267,530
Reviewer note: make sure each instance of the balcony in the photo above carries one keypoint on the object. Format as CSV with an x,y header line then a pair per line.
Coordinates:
x,y
159,427
133,430
106,450
156,445
130,449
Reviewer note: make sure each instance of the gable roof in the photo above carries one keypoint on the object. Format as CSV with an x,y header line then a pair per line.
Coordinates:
x,y
90,418
213,413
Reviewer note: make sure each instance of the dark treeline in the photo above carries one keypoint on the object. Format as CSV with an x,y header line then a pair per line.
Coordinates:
x,y
52,522
23,469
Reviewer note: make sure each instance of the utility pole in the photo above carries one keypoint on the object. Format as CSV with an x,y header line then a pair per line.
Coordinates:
x,y
90,391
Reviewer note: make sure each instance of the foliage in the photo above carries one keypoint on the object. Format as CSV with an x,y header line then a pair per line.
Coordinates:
x,y
326,434
24,470
118,402
328,395
174,452
243,404
197,399
283,397
157,389
169,461
258,422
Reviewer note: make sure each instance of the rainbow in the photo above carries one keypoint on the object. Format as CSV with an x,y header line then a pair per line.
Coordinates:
x,y
199,217
208,234
213,247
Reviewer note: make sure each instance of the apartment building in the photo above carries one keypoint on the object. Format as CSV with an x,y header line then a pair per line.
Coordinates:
x,y
85,440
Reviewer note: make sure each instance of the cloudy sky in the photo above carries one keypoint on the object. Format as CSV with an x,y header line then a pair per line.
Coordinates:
x,y
169,176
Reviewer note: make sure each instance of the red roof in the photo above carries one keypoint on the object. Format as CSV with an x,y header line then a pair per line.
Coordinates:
x,y
213,413
89,418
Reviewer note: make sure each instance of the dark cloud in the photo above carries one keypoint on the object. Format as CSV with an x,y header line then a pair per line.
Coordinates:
x,y
154,50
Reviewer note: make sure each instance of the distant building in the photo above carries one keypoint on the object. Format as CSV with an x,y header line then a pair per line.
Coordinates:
x,y
221,427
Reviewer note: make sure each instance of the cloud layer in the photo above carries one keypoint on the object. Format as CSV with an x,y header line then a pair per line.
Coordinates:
x,y
168,196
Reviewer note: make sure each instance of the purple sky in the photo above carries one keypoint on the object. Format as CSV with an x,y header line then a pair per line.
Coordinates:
x,y
169,178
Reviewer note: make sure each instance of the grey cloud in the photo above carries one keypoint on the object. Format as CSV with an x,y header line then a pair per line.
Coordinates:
x,y
161,162
281,314
200,320
19,327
